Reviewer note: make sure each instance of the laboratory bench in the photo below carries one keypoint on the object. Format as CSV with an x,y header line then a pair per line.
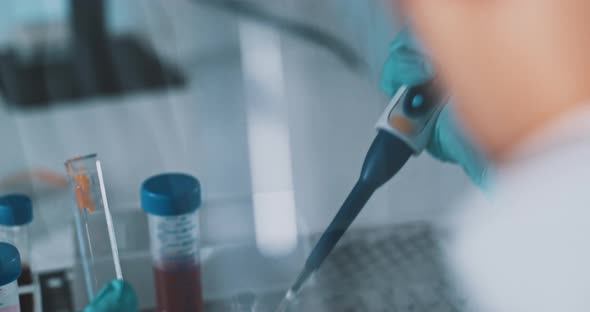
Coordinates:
x,y
394,268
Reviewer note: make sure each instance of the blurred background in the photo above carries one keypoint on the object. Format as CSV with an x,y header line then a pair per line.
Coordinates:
x,y
270,104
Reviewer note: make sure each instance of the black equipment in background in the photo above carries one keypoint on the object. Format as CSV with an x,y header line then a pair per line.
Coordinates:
x,y
93,63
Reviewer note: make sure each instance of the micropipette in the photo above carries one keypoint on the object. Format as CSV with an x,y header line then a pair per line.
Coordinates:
x,y
403,130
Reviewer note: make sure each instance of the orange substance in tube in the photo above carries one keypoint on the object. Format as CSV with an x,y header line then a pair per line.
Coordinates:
x,y
82,192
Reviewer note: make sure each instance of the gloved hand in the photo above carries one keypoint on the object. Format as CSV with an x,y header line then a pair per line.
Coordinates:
x,y
116,296
406,65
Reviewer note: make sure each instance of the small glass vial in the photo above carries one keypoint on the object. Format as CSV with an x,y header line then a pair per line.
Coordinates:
x,y
16,215
10,269
171,202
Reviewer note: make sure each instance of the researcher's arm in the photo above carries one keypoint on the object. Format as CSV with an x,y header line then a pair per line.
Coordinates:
x,y
406,65
116,296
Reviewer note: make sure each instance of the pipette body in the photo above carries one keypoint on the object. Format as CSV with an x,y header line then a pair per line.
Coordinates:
x,y
403,130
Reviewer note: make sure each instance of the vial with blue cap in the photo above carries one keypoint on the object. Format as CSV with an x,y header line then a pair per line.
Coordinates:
x,y
10,270
16,215
172,202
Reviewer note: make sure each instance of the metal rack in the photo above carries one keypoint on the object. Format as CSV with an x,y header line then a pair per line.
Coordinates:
x,y
386,269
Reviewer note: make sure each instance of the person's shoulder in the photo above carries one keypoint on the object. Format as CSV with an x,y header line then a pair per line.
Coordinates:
x,y
528,238
558,177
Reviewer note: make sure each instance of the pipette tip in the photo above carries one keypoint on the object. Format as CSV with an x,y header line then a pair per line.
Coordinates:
x,y
289,297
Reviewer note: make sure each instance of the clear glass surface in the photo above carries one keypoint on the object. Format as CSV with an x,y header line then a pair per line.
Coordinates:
x,y
97,245
19,237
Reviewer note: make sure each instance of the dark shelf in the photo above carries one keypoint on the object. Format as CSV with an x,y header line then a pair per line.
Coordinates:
x,y
96,64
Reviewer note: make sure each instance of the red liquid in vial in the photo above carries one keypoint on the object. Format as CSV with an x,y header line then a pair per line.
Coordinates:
x,y
26,300
179,290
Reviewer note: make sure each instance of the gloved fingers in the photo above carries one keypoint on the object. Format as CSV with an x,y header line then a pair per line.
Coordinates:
x,y
449,144
443,129
406,65
404,70
116,296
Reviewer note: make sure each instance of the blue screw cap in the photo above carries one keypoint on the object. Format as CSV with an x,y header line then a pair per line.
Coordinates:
x,y
15,209
170,194
10,267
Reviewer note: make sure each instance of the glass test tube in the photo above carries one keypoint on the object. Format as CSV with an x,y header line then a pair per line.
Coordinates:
x,y
16,215
171,202
10,270
98,250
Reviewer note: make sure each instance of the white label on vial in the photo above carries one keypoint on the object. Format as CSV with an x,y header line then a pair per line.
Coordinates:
x,y
175,239
9,298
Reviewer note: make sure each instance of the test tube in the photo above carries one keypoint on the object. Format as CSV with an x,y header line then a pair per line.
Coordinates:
x,y
10,270
16,214
171,202
97,243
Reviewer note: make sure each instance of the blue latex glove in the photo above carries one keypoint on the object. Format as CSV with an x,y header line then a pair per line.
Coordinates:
x,y
406,65
116,296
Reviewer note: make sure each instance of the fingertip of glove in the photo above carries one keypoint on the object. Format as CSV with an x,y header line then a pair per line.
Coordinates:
x,y
115,296
436,145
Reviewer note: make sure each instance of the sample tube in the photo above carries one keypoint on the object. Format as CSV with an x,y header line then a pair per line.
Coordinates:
x,y
97,242
10,270
171,202
16,214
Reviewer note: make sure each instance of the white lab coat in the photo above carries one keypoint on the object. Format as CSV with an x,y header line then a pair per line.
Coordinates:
x,y
526,247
